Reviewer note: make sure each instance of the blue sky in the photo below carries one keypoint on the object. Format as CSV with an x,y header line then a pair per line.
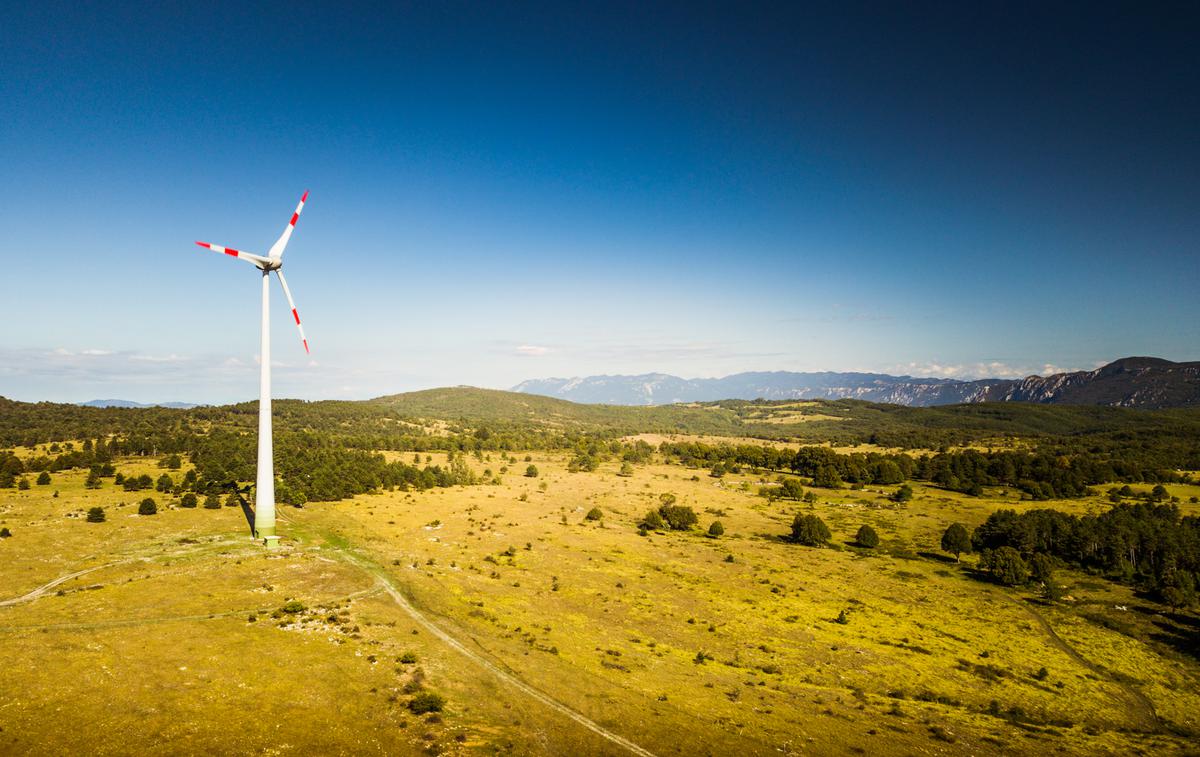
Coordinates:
x,y
530,191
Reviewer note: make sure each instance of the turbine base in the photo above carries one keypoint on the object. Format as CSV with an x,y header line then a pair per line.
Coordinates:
x,y
271,542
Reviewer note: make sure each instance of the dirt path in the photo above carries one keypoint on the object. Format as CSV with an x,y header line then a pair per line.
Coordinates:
x,y
1140,703
39,591
504,676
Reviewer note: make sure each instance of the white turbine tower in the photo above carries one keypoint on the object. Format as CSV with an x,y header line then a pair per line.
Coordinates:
x,y
264,498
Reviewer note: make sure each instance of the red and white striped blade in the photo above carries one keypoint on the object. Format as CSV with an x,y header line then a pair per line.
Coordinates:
x,y
239,254
281,243
292,304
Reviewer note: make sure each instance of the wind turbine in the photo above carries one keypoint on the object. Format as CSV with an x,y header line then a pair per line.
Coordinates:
x,y
264,498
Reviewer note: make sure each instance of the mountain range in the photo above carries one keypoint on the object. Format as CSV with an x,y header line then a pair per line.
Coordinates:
x,y
1144,382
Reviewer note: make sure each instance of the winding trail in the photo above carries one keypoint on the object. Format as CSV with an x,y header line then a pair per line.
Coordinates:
x,y
1139,702
39,591
505,677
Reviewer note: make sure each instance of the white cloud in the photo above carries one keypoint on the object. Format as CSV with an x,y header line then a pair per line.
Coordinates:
x,y
532,350
95,353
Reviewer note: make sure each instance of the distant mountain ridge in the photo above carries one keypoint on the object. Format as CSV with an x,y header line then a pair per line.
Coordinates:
x,y
1144,382
131,403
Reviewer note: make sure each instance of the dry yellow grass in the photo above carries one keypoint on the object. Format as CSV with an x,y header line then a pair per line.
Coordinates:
x,y
594,616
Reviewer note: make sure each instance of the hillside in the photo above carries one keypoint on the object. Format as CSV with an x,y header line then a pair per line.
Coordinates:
x,y
1129,382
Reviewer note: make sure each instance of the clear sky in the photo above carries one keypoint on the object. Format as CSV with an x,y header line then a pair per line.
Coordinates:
x,y
511,192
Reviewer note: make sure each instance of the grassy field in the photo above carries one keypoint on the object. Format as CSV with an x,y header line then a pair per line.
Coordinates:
x,y
548,633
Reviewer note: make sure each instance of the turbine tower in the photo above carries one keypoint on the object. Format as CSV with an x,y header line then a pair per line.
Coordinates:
x,y
264,498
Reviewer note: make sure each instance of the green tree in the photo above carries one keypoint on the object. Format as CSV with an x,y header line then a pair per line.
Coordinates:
x,y
147,507
810,530
716,530
956,540
1041,568
626,470
531,472
96,515
866,537
1006,566
827,477
188,500
233,500
903,494
23,484
43,478
594,514
5,533
791,488
212,502
164,484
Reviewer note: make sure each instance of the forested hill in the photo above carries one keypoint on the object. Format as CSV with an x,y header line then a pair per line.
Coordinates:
x,y
1130,382
464,417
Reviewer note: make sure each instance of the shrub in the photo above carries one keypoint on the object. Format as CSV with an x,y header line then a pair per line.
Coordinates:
x,y
866,537
96,515
810,530
212,502
293,606
408,658
594,514
5,533
233,500
43,478
903,494
147,507
716,529
626,469
426,701
678,517
531,471
189,500
23,484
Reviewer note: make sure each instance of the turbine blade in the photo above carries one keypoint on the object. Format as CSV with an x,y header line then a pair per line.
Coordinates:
x,y
292,304
277,248
239,254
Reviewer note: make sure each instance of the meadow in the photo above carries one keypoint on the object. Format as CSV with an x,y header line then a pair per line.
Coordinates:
x,y
539,620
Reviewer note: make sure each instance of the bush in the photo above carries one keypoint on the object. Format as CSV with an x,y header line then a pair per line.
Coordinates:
x,y
903,494
212,502
426,701
5,533
810,530
408,658
678,517
189,500
594,514
293,606
531,471
866,537
147,507
23,484
44,478
96,515
716,529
